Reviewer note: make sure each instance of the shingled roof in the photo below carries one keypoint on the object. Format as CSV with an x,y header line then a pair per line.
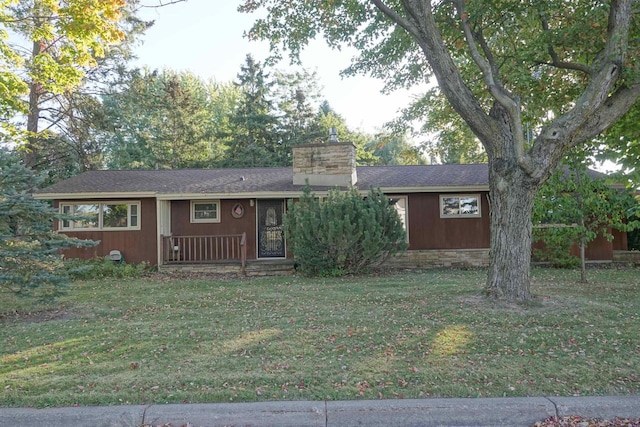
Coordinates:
x,y
260,181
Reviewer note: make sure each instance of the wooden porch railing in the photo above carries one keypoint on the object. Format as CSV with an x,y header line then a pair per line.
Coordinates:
x,y
204,249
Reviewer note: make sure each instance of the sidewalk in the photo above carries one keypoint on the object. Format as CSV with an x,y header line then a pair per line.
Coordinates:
x,y
389,413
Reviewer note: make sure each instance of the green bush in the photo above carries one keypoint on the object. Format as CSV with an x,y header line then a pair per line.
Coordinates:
x,y
343,234
100,268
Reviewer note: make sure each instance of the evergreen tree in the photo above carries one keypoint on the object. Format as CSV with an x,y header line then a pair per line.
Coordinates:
x,y
295,96
30,261
253,125
343,234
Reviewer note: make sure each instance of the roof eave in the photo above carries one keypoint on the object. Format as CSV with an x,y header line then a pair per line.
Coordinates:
x,y
298,193
249,194
436,189
94,195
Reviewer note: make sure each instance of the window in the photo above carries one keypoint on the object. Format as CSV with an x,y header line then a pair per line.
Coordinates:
x,y
460,206
101,216
205,211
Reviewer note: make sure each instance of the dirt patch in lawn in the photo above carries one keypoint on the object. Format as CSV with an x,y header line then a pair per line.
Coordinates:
x,y
38,316
538,303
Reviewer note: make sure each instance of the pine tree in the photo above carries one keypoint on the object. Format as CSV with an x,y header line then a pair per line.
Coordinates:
x,y
343,234
30,259
254,141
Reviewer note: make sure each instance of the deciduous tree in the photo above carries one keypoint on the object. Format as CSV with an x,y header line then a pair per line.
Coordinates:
x,y
569,68
163,120
446,137
621,144
327,118
575,206
390,149
64,37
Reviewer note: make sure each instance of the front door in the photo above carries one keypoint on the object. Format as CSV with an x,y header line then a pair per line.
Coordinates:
x,y
270,232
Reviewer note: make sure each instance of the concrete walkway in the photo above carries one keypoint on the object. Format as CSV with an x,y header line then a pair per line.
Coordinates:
x,y
414,412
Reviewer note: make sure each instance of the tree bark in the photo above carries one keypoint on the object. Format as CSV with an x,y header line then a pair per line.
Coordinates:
x,y
512,193
33,116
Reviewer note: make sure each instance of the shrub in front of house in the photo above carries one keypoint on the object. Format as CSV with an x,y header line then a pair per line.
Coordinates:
x,y
100,268
344,233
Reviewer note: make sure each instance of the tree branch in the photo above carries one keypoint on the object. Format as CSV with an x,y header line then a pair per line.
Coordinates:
x,y
601,103
555,60
497,90
420,23
395,17
162,3
488,54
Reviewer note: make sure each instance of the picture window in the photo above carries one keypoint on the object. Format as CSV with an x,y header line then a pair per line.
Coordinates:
x,y
100,216
460,206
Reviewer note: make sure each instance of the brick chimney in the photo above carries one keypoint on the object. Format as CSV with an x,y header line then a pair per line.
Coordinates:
x,y
331,164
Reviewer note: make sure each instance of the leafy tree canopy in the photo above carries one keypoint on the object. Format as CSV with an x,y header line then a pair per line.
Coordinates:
x,y
163,120
621,144
389,149
576,205
65,37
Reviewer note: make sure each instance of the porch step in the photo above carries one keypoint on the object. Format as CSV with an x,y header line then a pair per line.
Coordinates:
x,y
629,257
253,268
270,268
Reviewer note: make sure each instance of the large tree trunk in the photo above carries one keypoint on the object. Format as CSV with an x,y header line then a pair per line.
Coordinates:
x,y
517,167
33,117
511,201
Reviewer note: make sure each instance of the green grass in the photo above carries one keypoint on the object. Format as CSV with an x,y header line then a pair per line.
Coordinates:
x,y
162,339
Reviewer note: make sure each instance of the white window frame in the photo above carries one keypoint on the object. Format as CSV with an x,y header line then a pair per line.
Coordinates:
x,y
460,197
192,214
70,225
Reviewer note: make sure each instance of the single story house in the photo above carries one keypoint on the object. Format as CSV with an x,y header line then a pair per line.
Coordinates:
x,y
234,216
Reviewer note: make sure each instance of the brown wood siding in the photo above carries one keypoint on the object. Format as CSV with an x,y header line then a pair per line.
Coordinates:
x,y
181,224
428,231
619,240
136,246
599,249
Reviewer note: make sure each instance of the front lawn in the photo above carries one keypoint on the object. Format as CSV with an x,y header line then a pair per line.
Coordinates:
x,y
423,334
